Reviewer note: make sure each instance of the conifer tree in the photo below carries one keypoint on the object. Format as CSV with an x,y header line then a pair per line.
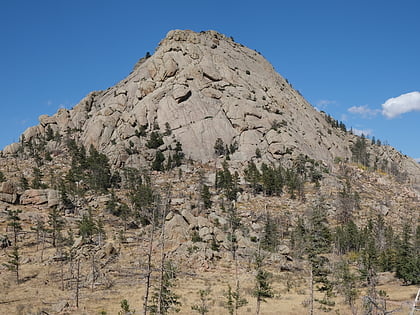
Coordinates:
x,y
234,301
87,227
270,237
347,284
157,164
202,308
206,197
253,176
36,181
14,222
2,177
164,299
56,223
407,266
262,289
13,264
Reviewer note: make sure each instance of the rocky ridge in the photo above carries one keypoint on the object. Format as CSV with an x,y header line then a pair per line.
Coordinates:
x,y
198,87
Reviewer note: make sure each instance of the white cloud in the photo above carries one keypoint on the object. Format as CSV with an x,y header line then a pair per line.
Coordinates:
x,y
364,110
401,104
360,132
322,103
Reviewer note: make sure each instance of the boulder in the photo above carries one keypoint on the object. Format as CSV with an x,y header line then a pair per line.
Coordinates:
x,y
8,188
40,197
177,228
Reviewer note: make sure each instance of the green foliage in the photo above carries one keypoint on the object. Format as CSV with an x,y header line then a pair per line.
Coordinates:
x,y
263,289
195,237
348,238
164,299
157,164
359,151
206,197
219,147
294,183
2,177
179,154
93,169
349,202
408,267
253,177
13,264
125,308
176,158
168,130
299,237
87,227
24,184
234,300
319,236
142,196
13,220
272,180
49,133
155,140
98,170
227,182
36,181
270,239
203,307
347,283
65,200
56,224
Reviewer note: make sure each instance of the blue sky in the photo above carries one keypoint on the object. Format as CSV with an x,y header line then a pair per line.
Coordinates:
x,y
347,58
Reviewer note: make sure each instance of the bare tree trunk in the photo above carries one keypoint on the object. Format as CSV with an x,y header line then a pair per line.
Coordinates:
x,y
77,283
62,275
93,272
258,306
43,246
163,255
311,284
149,264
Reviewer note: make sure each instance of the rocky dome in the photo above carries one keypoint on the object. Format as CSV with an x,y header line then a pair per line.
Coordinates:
x,y
195,89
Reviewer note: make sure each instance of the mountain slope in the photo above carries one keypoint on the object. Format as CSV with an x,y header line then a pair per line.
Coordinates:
x,y
196,88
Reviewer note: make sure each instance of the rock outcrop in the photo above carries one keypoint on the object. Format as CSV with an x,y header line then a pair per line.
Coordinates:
x,y
195,89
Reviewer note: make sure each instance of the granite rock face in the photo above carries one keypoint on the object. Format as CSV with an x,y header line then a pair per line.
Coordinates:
x,y
199,87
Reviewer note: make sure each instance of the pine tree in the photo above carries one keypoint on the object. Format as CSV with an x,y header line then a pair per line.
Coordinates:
x,y
56,223
98,170
253,176
270,237
14,263
206,197
2,177
219,147
36,181
14,222
155,140
234,301
87,227
262,289
157,164
347,284
164,299
407,268
203,307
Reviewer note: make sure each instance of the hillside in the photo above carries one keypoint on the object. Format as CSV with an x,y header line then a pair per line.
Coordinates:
x,y
207,158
